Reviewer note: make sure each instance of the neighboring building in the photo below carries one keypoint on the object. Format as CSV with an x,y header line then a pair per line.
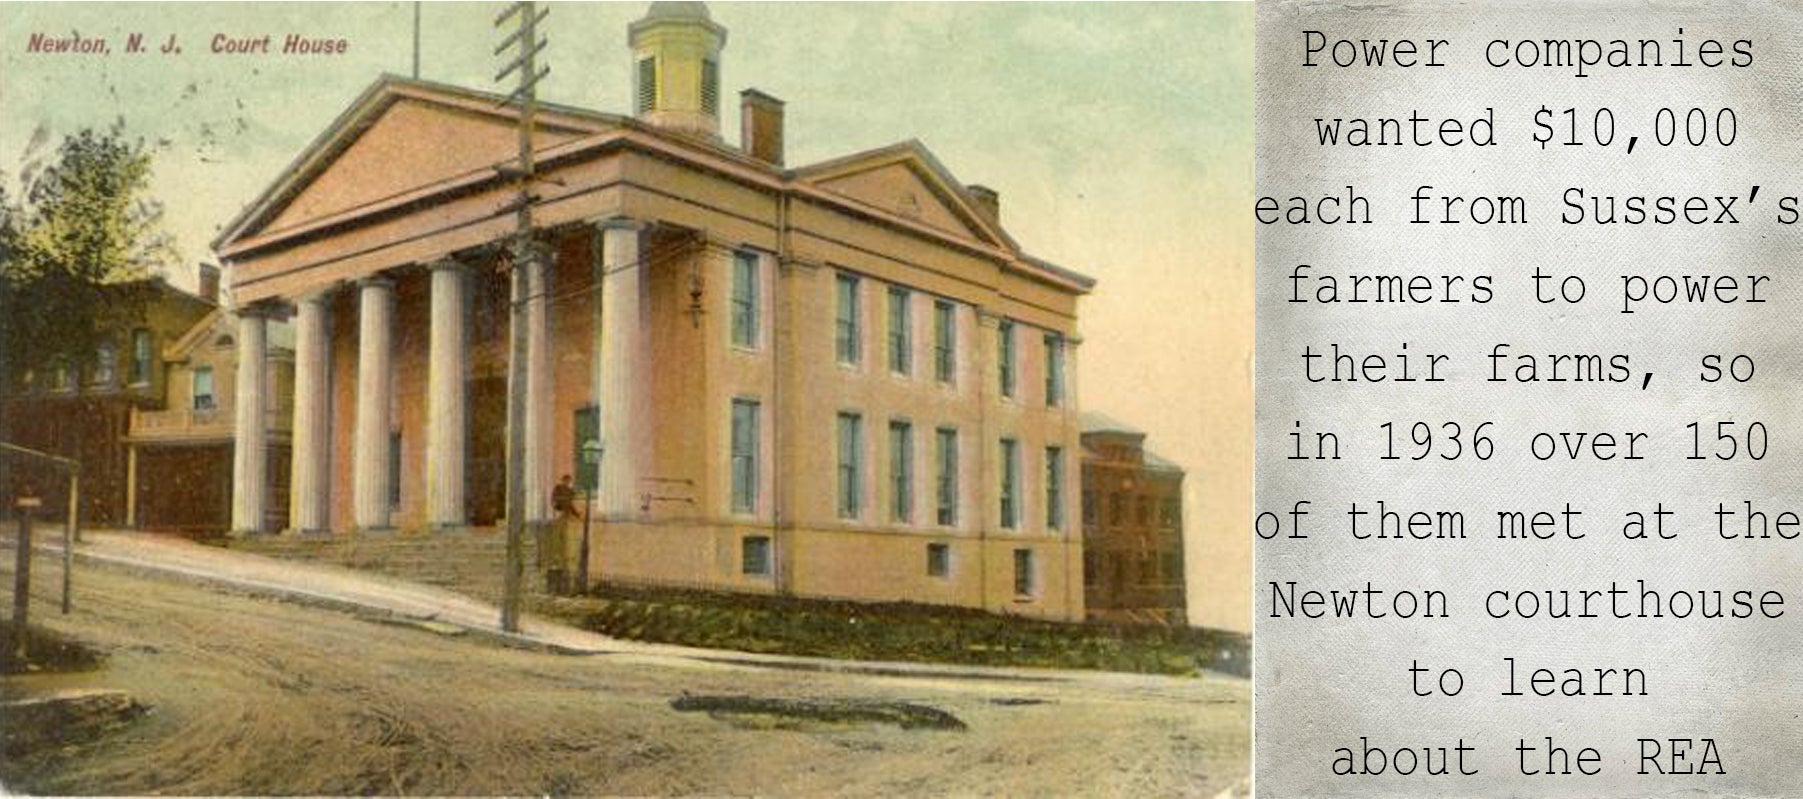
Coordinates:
x,y
179,456
1132,527
82,410
842,379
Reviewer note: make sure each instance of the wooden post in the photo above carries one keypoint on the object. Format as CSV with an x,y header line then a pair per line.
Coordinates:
x,y
70,529
75,502
131,487
588,509
22,581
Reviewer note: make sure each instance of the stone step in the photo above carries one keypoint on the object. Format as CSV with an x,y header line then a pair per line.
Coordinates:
x,y
470,563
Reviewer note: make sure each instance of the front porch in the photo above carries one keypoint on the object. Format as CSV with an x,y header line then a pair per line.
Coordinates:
x,y
179,468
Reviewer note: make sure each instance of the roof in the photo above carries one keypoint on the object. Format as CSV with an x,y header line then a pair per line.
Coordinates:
x,y
1097,422
280,335
1094,423
387,90
582,129
1155,461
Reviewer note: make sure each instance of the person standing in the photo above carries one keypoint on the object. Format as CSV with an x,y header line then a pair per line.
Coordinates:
x,y
556,558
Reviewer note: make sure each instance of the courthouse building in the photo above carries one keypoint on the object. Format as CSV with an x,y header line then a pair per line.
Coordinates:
x,y
842,379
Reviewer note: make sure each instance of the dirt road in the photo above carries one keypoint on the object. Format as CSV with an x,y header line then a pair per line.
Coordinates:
x,y
259,696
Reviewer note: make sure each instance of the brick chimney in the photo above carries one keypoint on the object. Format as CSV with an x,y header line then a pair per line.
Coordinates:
x,y
208,288
987,199
761,126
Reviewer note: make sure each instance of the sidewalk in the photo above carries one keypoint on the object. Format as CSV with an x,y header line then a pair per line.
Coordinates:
x,y
390,599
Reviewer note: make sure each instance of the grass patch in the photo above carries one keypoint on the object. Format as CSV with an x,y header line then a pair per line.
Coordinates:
x,y
896,631
45,651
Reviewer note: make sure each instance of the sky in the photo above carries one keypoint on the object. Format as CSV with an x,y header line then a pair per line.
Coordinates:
x,y
1118,134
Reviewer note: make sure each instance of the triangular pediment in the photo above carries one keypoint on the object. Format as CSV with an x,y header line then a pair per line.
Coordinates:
x,y
400,136
905,180
414,143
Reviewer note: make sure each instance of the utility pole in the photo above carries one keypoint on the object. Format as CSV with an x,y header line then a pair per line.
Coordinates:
x,y
525,251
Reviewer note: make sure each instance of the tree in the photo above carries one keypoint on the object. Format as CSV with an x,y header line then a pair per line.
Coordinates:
x,y
75,253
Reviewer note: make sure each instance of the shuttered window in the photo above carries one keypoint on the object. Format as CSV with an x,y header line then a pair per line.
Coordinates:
x,y
744,456
901,471
948,476
851,465
647,85
1010,499
745,299
847,330
710,87
945,341
901,331
1005,356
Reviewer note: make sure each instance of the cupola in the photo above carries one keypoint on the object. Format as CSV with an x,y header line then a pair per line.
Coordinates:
x,y
676,68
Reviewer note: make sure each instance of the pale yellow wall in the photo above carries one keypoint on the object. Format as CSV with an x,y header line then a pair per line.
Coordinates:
x,y
794,375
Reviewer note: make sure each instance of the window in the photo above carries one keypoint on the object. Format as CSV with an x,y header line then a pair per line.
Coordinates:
x,y
745,299
1145,510
1054,370
394,469
140,357
847,328
203,388
851,465
647,85
588,449
1092,569
1005,356
106,364
1173,567
1054,488
1089,507
939,560
948,476
1010,483
1171,513
945,341
754,554
901,471
1025,584
744,456
710,87
61,378
1117,509
901,331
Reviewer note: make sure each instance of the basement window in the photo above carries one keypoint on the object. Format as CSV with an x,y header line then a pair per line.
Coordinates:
x,y
939,560
1026,579
754,555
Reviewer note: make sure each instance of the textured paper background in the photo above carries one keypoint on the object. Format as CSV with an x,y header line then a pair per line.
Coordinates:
x,y
1322,684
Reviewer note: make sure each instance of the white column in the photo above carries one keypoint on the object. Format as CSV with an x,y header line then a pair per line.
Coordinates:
x,y
539,389
623,369
375,384
250,465
310,476
446,415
